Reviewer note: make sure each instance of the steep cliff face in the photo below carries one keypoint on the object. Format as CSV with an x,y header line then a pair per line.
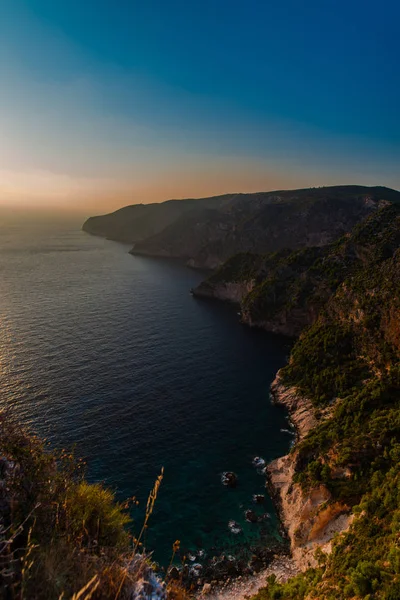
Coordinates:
x,y
342,388
208,231
309,517
284,292
226,291
235,278
140,221
265,222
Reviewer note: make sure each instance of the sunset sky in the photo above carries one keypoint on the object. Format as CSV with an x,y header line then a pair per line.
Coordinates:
x,y
110,102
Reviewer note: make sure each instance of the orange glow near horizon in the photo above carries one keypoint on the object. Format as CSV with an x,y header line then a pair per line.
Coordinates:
x,y
89,134
59,192
46,190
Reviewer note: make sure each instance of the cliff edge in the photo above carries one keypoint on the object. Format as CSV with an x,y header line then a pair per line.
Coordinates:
x,y
342,390
308,518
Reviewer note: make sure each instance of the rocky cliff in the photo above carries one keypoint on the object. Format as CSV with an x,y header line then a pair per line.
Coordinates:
x,y
309,518
342,390
137,222
265,222
206,232
338,489
285,291
229,291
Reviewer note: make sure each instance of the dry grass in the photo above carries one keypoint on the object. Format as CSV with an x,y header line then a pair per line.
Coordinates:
x,y
61,538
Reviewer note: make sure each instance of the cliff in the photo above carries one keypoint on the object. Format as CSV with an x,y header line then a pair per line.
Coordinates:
x,y
344,298
285,291
234,279
265,222
207,231
342,389
309,518
140,221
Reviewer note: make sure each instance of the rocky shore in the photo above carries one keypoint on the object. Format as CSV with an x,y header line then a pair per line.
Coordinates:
x,y
295,510
309,520
241,588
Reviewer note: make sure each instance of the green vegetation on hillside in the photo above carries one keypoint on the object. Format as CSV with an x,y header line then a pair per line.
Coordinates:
x,y
62,538
290,288
330,346
285,285
208,231
241,267
348,364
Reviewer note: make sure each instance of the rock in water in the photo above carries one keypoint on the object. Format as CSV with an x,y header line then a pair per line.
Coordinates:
x,y
234,527
259,462
229,479
251,516
195,570
256,564
259,498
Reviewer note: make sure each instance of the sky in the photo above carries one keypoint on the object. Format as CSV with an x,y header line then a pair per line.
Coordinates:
x,y
105,103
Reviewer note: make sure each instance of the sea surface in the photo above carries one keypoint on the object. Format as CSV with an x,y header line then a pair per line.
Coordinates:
x,y
110,353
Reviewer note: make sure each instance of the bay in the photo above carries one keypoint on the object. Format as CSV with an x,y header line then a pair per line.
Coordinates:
x,y
111,354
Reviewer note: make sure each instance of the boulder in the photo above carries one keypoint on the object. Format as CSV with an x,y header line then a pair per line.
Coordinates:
x,y
259,498
234,527
256,563
229,478
251,516
258,462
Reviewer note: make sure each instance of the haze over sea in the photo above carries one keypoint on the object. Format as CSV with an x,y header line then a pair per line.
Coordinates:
x,y
110,352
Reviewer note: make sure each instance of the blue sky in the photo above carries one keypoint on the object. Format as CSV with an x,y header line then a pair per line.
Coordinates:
x,y
104,103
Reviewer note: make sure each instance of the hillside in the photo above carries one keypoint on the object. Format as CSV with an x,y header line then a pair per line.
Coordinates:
x,y
347,365
342,389
338,490
140,221
61,537
206,232
284,291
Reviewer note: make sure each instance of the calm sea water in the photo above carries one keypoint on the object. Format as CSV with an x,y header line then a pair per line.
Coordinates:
x,y
110,352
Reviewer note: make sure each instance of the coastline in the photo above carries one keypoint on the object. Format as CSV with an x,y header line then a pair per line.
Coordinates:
x,y
308,519
283,566
241,588
304,519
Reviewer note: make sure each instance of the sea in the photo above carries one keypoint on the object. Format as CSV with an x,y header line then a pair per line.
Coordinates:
x,y
110,355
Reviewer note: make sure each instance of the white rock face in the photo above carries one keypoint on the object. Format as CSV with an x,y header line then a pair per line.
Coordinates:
x,y
309,524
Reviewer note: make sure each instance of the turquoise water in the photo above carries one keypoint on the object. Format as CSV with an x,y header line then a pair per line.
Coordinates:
x,y
110,352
